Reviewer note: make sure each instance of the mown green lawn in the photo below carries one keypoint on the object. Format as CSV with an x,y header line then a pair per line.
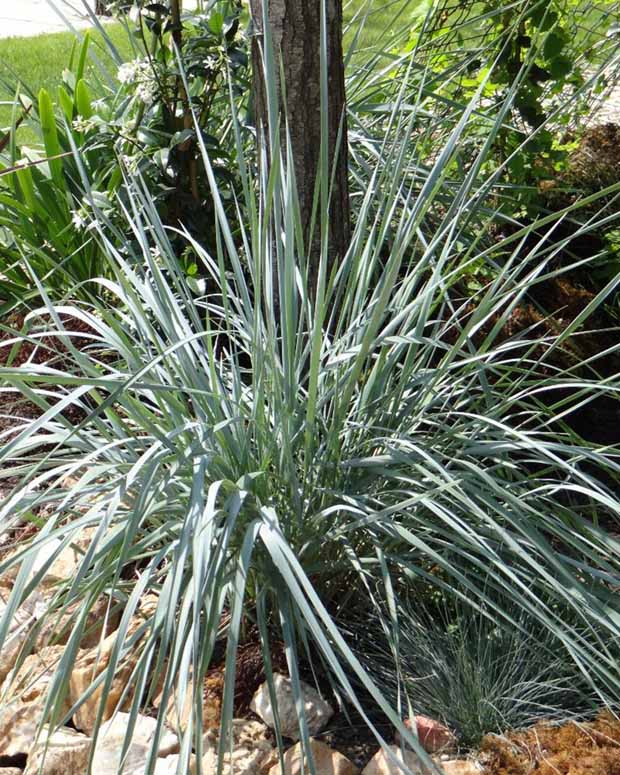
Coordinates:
x,y
380,21
38,61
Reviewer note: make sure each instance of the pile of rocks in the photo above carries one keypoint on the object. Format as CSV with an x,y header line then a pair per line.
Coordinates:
x,y
435,738
25,687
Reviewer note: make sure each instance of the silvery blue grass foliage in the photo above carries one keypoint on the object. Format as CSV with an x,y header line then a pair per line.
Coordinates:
x,y
471,672
275,464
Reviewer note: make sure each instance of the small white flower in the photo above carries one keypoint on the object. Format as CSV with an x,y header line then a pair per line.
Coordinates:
x,y
140,72
130,162
127,72
78,220
146,92
82,124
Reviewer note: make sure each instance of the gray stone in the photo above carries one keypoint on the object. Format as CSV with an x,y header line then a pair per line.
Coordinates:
x,y
18,727
317,711
19,629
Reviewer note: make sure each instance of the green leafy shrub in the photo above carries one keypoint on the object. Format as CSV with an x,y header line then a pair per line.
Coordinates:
x,y
541,52
148,121
140,125
40,191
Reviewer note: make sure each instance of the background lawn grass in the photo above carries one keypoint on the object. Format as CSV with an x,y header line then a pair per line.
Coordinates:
x,y
38,62
382,20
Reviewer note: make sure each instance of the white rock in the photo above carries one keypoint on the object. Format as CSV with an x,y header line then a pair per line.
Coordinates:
x,y
111,738
30,683
21,624
382,764
170,766
317,711
18,727
63,567
64,752
326,761
107,759
246,733
457,767
251,750
23,695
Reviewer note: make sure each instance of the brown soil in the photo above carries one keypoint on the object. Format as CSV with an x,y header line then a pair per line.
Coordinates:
x,y
596,162
571,749
49,350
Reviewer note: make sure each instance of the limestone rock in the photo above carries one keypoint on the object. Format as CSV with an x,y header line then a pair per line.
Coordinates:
x,y
31,681
111,738
92,662
318,712
251,750
433,735
326,761
457,767
10,771
64,565
213,687
19,629
107,759
64,752
99,623
107,762
143,733
169,766
246,733
23,698
18,727
381,764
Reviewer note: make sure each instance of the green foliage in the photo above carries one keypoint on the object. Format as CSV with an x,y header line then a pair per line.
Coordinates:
x,y
41,211
38,62
148,120
142,125
269,466
540,52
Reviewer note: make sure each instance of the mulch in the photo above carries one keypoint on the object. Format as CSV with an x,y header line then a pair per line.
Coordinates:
x,y
568,749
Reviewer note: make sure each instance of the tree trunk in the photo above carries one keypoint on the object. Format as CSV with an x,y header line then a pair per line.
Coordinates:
x,y
295,27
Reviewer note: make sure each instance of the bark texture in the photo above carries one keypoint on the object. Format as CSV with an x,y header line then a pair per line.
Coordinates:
x,y
295,27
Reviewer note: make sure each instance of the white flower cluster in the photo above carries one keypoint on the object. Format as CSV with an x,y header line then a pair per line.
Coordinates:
x,y
140,73
82,220
83,124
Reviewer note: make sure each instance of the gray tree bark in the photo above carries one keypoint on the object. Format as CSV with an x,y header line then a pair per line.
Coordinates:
x,y
295,27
